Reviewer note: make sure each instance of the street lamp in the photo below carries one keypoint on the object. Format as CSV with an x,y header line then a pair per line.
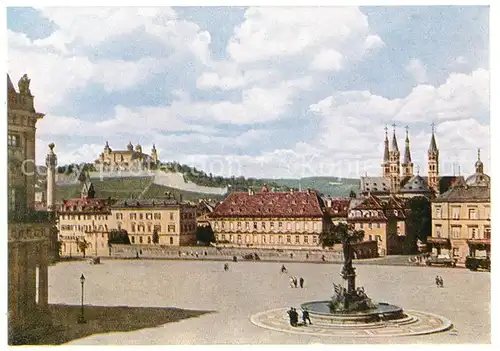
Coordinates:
x,y
81,319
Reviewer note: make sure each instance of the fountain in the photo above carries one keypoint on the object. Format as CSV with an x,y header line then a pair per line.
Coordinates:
x,y
350,304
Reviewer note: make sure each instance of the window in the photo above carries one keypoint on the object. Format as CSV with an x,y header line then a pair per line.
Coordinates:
x,y
141,216
132,227
239,238
378,225
289,226
280,239
222,225
157,227
171,241
149,240
171,228
263,224
280,225
149,215
255,225
306,239
487,233
247,238
315,239
247,225
297,239
370,238
438,230
157,216
149,227
133,240
361,225
369,226
271,225
455,212
171,216
473,232
438,211
140,240
263,239
14,140
223,237
472,213
133,216
378,237
455,232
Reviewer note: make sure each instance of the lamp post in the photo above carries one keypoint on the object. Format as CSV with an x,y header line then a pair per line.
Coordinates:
x,y
81,319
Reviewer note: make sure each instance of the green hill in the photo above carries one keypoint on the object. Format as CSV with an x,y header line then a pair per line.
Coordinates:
x,y
128,188
328,186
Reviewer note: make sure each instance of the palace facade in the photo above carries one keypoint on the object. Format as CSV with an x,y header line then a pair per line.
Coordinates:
x,y
32,243
267,219
461,218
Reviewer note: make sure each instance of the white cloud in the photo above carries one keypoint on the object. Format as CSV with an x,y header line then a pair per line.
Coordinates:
x,y
417,70
261,37
327,60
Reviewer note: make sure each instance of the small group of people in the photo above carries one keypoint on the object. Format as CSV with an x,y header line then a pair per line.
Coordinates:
x,y
294,283
294,317
439,281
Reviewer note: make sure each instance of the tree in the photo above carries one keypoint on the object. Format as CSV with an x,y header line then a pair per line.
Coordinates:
x,y
352,194
118,236
156,237
418,222
338,234
205,234
83,246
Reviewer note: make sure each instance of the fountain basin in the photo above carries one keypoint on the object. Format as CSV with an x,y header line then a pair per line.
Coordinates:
x,y
319,311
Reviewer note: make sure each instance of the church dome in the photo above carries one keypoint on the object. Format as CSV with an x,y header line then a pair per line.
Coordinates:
x,y
416,184
478,179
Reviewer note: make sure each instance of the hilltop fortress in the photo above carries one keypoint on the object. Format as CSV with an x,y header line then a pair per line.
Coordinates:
x,y
129,159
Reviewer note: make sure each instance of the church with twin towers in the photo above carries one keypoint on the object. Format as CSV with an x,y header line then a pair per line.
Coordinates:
x,y
398,175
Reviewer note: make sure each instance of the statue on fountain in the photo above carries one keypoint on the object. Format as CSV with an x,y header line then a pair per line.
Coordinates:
x,y
351,298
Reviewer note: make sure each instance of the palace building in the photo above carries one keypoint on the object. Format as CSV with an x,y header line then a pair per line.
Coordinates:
x,y
461,217
127,159
32,235
268,219
399,177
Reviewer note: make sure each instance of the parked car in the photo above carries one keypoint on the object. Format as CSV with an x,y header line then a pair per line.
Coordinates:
x,y
442,260
476,263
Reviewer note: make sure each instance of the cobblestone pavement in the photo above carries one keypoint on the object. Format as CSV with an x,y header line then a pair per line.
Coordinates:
x,y
416,323
249,288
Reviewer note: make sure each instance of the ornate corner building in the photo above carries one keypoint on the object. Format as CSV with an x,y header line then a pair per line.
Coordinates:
x,y
32,235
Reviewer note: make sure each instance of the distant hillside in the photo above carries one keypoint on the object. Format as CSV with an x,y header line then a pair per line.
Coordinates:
x,y
129,188
329,186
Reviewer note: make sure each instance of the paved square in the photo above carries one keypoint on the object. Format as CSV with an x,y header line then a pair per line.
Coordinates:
x,y
252,287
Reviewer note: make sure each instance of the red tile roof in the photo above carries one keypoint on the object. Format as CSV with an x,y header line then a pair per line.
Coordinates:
x,y
85,205
270,204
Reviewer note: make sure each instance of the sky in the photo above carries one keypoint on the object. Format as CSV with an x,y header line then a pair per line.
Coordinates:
x,y
259,92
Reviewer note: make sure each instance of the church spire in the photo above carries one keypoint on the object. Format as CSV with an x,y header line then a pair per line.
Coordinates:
x,y
394,141
433,163
479,163
407,164
433,145
386,160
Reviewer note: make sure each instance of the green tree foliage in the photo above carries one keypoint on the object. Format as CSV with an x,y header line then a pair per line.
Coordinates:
x,y
418,222
352,194
156,237
118,236
205,234
83,245
338,234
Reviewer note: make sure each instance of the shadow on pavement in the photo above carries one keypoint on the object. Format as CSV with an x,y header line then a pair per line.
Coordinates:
x,y
99,320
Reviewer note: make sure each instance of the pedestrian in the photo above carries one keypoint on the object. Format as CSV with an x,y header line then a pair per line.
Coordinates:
x,y
305,317
323,258
441,282
438,282
295,282
290,316
291,282
301,281
307,256
295,317
283,269
226,267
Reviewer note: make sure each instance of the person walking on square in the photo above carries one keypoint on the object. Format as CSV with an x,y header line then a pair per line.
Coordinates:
x,y
441,282
301,282
437,281
295,317
305,317
291,282
295,282
290,315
